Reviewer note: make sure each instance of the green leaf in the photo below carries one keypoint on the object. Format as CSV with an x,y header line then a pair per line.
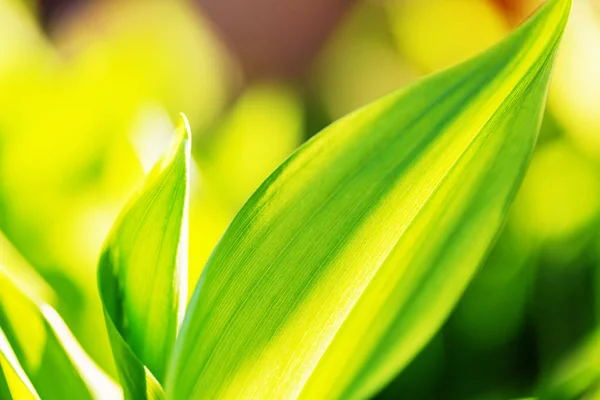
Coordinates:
x,y
142,274
14,383
351,255
263,127
578,376
37,348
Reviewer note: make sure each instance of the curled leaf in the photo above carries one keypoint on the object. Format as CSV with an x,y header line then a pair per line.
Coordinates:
x,y
142,274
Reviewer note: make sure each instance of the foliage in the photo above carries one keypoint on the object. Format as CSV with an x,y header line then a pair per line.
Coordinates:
x,y
334,275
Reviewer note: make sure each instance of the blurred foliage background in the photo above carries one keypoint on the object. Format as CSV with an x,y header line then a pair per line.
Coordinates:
x,y
89,91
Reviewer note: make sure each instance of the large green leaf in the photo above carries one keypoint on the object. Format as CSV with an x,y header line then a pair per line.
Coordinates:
x,y
142,274
258,132
37,350
351,255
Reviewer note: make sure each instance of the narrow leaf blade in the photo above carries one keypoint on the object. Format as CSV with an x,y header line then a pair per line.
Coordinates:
x,y
142,273
38,346
14,383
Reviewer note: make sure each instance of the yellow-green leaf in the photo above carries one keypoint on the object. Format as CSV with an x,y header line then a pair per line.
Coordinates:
x,y
37,350
142,274
351,255
578,376
14,383
261,129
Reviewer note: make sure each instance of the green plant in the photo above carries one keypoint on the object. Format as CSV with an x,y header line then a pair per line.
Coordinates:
x,y
336,272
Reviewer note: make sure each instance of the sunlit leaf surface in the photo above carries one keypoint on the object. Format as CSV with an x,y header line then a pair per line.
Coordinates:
x,y
350,256
69,101
14,383
142,273
261,129
37,350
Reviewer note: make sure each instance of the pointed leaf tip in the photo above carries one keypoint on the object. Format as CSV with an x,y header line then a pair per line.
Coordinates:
x,y
142,273
183,127
349,258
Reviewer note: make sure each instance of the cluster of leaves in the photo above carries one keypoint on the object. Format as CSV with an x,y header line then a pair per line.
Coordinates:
x,y
337,271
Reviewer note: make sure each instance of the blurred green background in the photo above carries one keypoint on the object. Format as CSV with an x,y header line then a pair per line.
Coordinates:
x,y
89,91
